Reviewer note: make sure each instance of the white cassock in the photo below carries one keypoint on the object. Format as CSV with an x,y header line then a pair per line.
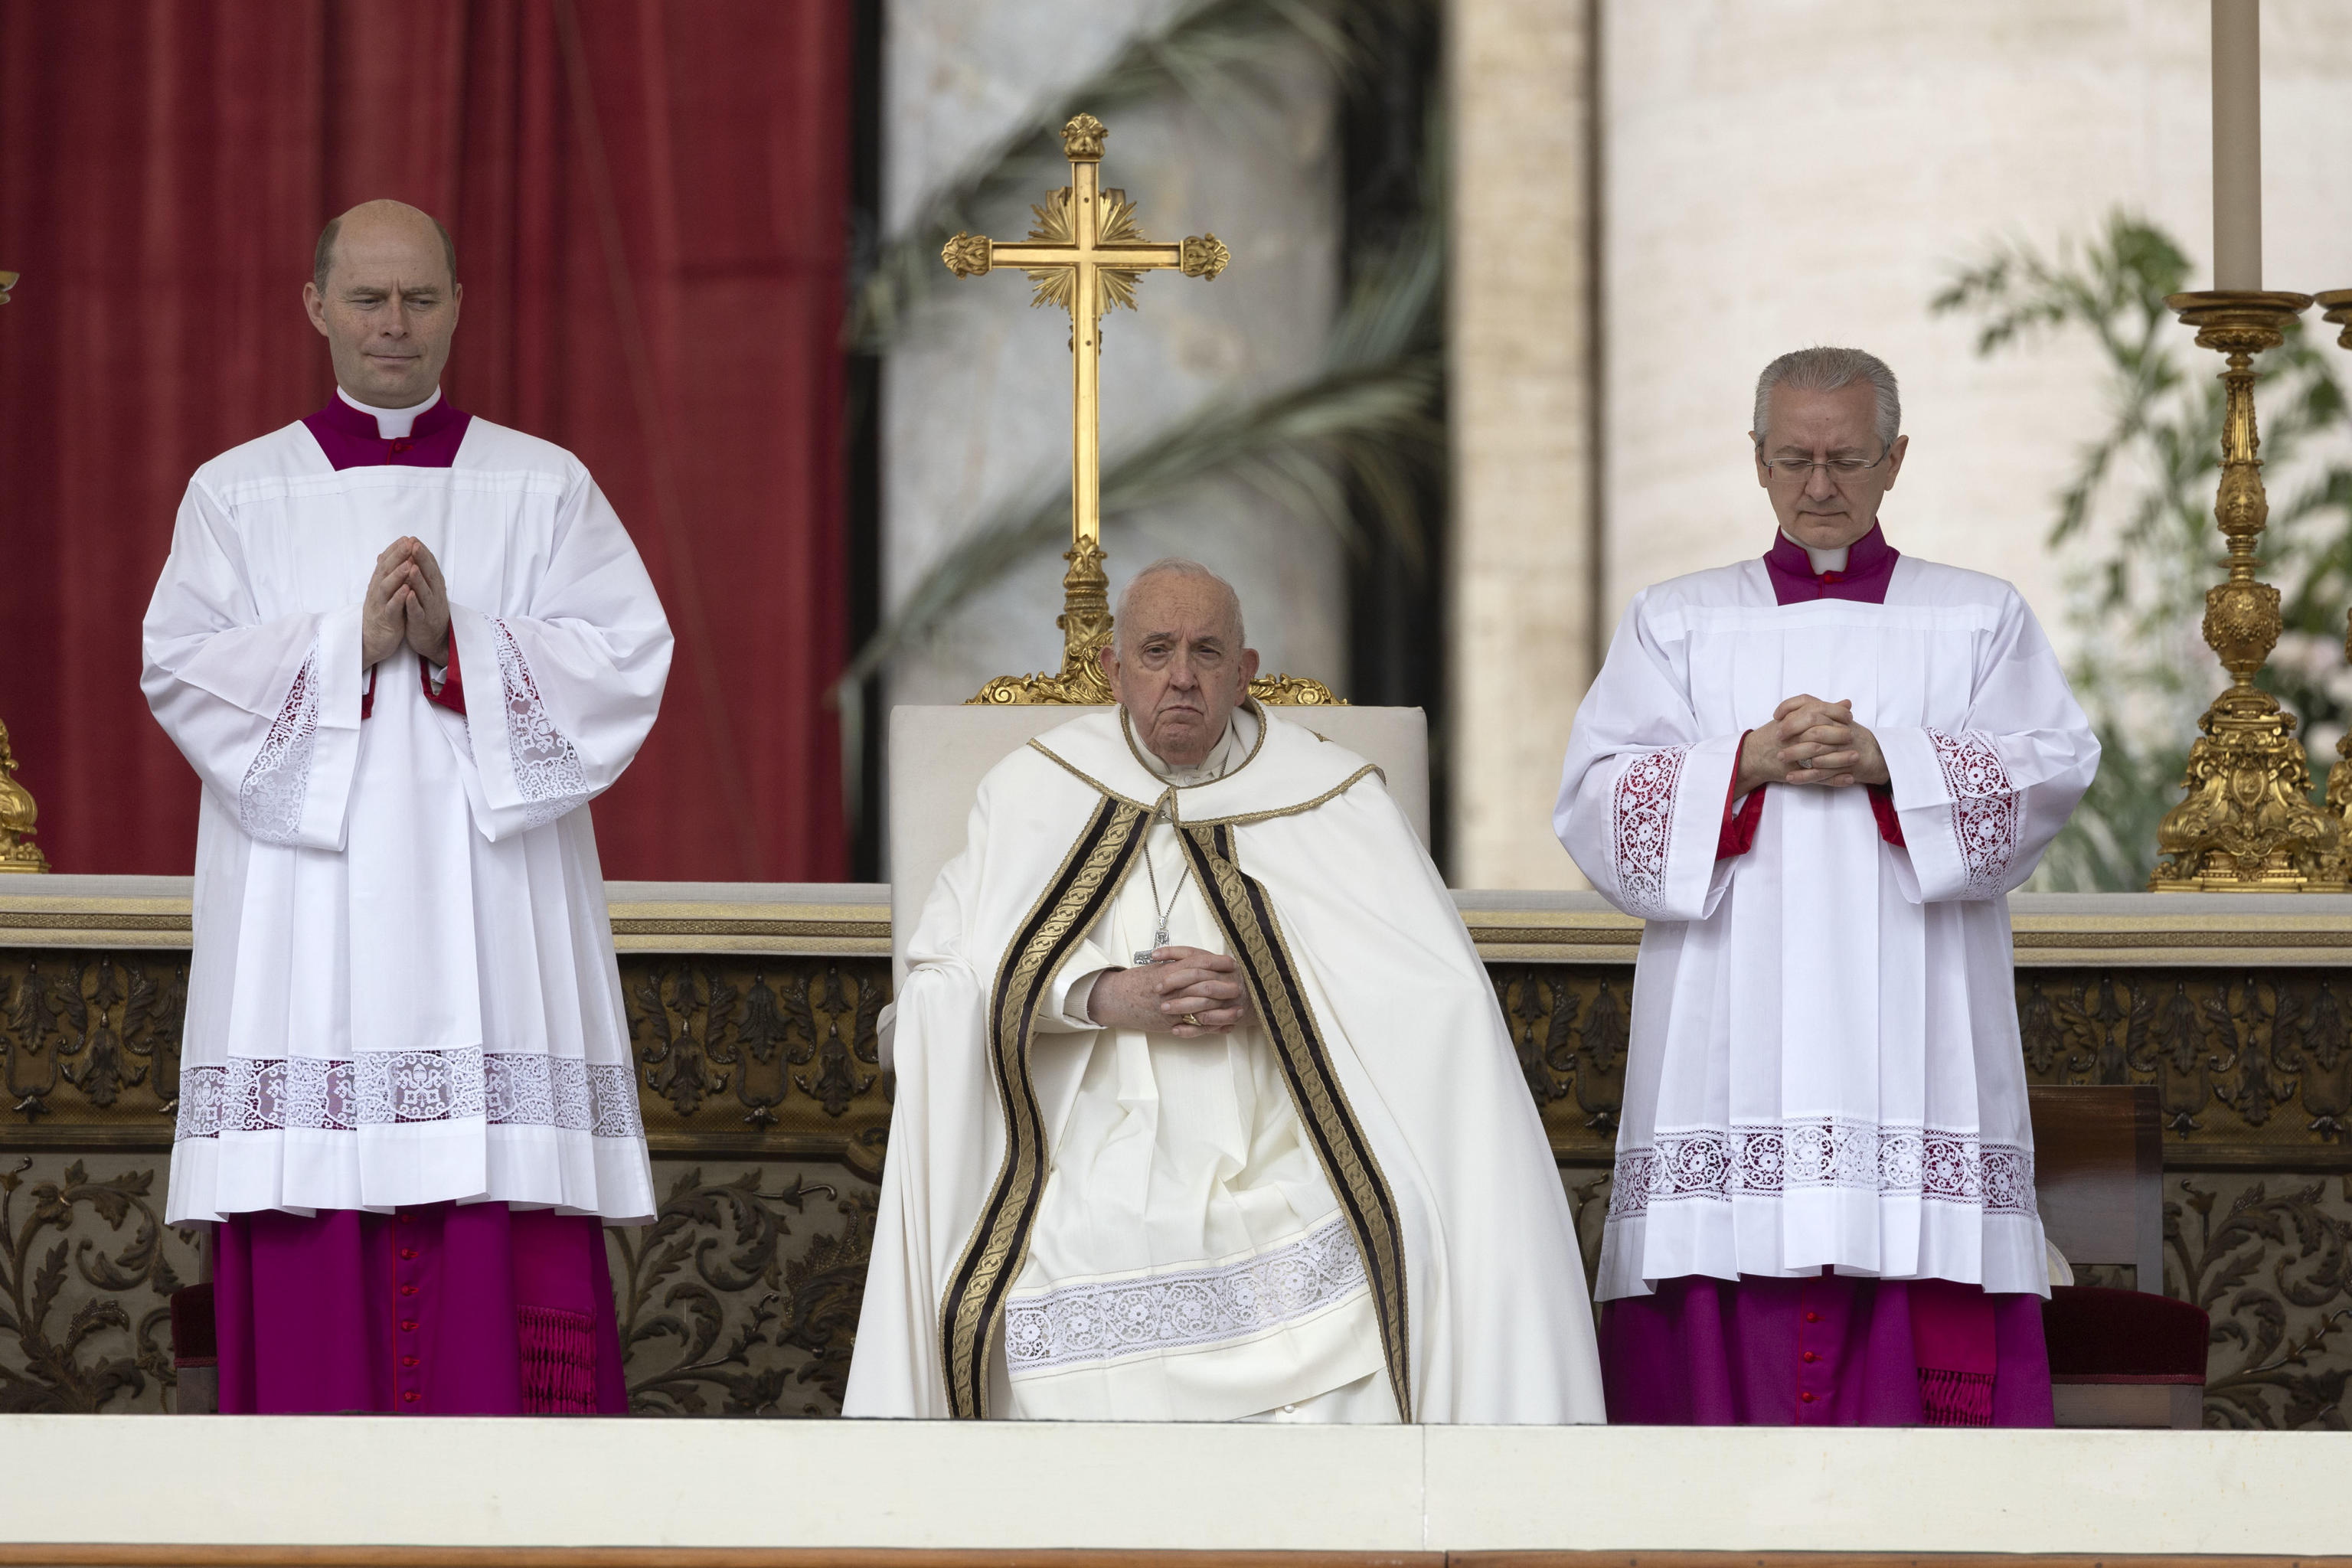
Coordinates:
x,y
403,989
1350,1213
1825,1068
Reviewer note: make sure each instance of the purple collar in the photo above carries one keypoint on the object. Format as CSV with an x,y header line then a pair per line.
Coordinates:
x,y
350,440
1869,563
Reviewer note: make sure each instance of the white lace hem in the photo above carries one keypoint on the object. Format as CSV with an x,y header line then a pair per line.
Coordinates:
x,y
276,783
1767,1159
1107,1319
545,764
405,1088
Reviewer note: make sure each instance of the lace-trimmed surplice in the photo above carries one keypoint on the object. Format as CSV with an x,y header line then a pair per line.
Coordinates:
x,y
1824,1069
404,989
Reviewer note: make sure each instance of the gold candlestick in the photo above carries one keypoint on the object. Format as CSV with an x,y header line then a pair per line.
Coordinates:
x,y
17,813
2337,306
2248,823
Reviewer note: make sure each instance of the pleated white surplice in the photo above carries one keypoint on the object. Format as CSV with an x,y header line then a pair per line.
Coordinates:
x,y
1825,1068
403,989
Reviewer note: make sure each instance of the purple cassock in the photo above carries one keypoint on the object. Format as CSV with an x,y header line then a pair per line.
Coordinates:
x,y
1832,1350
434,1310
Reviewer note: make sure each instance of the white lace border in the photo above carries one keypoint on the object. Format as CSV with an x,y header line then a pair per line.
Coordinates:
x,y
1107,1320
1771,1160
391,1089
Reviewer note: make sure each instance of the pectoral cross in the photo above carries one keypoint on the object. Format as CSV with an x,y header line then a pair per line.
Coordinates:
x,y
1084,255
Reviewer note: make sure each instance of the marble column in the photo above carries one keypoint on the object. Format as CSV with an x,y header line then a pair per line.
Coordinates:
x,y
976,391
1523,566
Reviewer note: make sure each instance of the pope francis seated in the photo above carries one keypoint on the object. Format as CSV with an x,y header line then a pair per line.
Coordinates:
x,y
1205,1109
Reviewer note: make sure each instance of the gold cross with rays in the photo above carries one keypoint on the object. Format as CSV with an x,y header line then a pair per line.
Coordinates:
x,y
1084,256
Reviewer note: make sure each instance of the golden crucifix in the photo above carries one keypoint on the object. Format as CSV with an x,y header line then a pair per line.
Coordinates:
x,y
1084,255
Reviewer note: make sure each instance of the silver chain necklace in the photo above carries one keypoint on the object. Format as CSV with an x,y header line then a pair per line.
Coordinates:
x,y
1160,927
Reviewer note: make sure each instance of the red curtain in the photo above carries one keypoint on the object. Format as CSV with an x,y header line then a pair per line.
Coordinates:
x,y
650,201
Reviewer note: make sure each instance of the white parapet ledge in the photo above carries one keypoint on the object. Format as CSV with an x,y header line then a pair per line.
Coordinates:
x,y
387,1482
2052,930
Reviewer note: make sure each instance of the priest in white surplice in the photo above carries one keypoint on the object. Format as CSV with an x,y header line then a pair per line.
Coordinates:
x,y
403,648
1205,1109
1816,775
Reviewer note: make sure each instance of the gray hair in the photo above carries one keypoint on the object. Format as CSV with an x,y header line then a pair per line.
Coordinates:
x,y
1827,370
1173,566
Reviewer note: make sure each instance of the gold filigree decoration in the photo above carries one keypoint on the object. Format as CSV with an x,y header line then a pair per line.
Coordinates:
x,y
1085,622
1082,139
1204,256
1115,224
966,255
2247,823
1294,692
17,814
2337,305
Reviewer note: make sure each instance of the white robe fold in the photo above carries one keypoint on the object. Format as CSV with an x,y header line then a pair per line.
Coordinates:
x,y
403,987
1825,1068
1243,1181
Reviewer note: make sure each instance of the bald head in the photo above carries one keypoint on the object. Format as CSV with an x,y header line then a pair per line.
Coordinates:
x,y
384,293
1152,584
372,223
1176,660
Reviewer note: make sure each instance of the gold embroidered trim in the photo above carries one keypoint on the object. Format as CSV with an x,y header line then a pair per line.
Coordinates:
x,y
1254,935
1334,792
972,1311
1087,779
1127,729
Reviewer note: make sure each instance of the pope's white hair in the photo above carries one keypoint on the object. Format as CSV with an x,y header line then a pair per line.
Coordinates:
x,y
1174,566
1827,370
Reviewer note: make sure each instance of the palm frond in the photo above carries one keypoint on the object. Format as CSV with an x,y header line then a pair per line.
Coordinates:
x,y
1362,423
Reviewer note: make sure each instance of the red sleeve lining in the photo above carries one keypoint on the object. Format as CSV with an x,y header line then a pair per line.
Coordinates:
x,y
1737,835
1882,806
452,694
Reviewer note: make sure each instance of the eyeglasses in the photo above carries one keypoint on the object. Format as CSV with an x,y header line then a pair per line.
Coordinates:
x,y
1801,469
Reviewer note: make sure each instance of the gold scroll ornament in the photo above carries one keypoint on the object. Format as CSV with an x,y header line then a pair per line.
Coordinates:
x,y
1084,256
17,813
2336,304
2248,823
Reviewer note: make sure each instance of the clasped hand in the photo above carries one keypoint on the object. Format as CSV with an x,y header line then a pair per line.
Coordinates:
x,y
1809,742
1181,982
406,602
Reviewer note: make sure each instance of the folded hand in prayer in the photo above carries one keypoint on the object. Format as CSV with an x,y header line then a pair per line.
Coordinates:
x,y
1156,998
1811,742
406,602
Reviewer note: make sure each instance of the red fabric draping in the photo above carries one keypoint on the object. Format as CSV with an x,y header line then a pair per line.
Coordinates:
x,y
650,201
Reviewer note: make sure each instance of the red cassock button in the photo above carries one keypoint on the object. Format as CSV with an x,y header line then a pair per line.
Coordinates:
x,y
402,446
408,1360
405,1218
1807,1396
411,1396
408,1252
408,1290
1812,1356
1812,1317
407,1325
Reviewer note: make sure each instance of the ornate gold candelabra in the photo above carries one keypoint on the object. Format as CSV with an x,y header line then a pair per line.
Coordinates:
x,y
2248,823
17,812
2337,305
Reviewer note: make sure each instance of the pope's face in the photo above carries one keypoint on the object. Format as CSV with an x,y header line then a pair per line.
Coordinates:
x,y
388,310
1814,509
1182,672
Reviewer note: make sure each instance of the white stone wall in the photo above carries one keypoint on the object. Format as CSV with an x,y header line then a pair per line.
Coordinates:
x,y
1789,172
976,397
